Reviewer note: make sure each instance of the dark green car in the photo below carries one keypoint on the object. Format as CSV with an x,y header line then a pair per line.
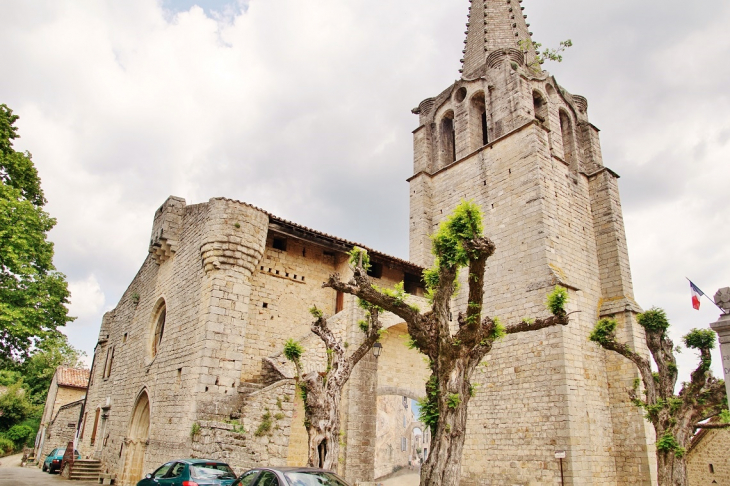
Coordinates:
x,y
191,472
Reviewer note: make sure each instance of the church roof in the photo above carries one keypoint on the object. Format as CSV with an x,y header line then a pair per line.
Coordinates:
x,y
72,377
324,239
494,25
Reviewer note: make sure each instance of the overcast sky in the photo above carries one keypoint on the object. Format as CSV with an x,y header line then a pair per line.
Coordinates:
x,y
303,108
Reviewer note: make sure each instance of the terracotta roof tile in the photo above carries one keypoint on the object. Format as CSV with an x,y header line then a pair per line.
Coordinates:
x,y
74,377
405,263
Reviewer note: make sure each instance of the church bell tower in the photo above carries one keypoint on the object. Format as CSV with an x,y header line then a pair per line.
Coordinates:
x,y
507,136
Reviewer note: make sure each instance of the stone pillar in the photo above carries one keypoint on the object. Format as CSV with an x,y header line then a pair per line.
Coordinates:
x,y
722,328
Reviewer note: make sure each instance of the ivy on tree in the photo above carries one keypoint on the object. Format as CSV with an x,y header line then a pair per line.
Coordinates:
x,y
32,293
452,356
675,417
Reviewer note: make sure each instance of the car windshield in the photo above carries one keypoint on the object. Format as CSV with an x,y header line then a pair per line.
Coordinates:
x,y
314,478
212,470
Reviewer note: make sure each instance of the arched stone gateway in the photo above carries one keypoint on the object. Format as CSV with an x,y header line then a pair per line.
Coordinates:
x,y
401,381
135,444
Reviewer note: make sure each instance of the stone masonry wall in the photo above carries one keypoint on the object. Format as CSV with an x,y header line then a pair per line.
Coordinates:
x,y
708,461
248,441
62,429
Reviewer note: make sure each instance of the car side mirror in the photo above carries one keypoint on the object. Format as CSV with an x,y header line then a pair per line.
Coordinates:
x,y
149,476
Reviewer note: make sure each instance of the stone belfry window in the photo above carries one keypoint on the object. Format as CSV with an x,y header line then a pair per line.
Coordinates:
x,y
159,329
478,121
566,129
541,109
448,138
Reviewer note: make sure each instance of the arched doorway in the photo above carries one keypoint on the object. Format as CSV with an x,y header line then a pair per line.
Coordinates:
x,y
402,376
135,444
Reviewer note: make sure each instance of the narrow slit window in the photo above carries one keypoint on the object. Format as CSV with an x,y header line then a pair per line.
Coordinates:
x,y
448,138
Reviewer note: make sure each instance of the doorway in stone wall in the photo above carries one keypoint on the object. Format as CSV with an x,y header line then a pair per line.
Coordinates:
x,y
399,434
135,445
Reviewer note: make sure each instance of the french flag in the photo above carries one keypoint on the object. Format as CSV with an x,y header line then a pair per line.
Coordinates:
x,y
696,294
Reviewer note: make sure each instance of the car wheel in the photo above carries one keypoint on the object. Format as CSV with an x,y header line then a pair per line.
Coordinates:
x,y
44,468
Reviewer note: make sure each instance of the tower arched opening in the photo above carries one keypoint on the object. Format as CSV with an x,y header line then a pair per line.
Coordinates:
x,y
448,138
478,121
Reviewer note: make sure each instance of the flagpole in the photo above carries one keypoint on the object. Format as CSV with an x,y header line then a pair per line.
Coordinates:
x,y
708,298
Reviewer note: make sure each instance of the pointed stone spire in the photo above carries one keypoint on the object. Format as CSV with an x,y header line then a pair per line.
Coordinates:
x,y
494,25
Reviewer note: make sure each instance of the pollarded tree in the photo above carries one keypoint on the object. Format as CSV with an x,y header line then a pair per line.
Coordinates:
x,y
321,391
452,356
675,417
32,293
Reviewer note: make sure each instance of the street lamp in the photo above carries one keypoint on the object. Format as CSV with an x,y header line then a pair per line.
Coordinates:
x,y
377,349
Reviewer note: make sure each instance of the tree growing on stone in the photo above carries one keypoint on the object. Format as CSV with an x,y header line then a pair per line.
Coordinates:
x,y
453,354
321,391
33,295
675,416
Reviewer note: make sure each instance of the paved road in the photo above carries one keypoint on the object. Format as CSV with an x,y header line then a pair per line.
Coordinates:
x,y
401,478
11,474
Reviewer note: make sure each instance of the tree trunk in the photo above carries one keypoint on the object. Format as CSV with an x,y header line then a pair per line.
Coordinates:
x,y
672,470
443,466
322,420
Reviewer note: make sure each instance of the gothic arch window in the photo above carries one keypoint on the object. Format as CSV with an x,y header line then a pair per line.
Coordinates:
x,y
448,138
540,106
159,326
566,129
478,121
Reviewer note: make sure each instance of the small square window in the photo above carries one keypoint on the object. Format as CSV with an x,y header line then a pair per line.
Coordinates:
x,y
376,270
279,244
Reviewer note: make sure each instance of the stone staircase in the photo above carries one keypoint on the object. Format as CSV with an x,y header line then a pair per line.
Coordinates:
x,y
85,470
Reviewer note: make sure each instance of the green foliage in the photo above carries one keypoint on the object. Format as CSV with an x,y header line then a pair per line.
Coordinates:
x,y
293,350
556,300
654,320
453,400
33,294
316,313
6,446
604,331
20,435
546,54
429,405
499,330
278,404
473,389
356,253
465,223
668,443
39,369
410,342
194,430
363,325
724,417
15,406
265,425
700,339
238,427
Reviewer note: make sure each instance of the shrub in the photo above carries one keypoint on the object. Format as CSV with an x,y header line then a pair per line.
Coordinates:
x,y
19,434
6,446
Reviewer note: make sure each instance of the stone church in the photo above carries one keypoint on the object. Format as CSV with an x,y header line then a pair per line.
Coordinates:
x,y
190,361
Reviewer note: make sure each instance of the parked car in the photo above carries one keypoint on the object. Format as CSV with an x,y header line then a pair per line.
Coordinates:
x,y
52,462
289,476
191,472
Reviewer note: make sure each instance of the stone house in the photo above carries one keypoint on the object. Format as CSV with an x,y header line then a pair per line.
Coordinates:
x,y
189,362
65,398
708,461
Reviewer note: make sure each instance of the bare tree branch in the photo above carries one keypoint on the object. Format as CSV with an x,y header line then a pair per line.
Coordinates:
x,y
524,326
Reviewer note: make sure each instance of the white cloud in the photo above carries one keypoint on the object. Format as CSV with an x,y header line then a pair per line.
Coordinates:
x,y
87,298
304,108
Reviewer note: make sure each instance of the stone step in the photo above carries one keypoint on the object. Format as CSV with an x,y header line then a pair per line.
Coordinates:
x,y
249,388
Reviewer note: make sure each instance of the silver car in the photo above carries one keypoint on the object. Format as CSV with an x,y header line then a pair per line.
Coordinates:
x,y
289,476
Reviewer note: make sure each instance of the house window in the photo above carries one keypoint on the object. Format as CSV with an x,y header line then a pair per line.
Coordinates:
x,y
108,363
413,284
375,270
403,444
339,302
279,244
159,329
96,424
405,402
